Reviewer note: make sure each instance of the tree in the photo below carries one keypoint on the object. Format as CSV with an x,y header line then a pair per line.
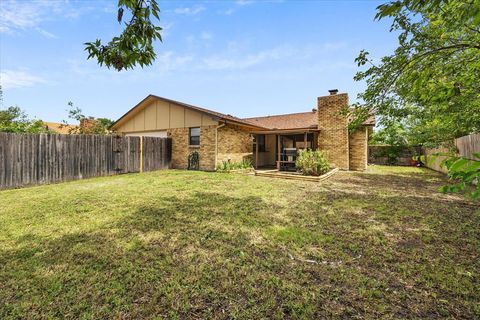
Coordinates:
x,y
87,125
135,44
14,120
393,135
431,80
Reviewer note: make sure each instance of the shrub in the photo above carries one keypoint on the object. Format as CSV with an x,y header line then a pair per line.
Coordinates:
x,y
227,165
312,163
392,153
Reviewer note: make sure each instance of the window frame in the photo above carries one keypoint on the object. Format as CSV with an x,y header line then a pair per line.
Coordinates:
x,y
190,136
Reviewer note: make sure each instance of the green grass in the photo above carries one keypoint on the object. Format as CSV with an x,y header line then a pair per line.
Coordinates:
x,y
190,245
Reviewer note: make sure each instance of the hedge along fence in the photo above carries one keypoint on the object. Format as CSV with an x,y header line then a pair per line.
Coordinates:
x,y
466,146
31,159
393,155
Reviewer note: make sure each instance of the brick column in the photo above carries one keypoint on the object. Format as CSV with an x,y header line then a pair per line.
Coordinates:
x,y
333,127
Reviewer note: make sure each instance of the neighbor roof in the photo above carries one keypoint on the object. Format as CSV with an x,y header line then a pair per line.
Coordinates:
x,y
216,114
59,127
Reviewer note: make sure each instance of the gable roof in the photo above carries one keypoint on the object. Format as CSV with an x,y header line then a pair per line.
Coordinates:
x,y
300,120
227,117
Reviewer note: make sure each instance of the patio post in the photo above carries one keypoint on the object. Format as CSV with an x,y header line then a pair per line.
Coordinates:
x,y
279,146
256,151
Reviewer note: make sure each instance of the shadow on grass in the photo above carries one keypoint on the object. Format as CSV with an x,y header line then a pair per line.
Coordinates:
x,y
176,257
193,255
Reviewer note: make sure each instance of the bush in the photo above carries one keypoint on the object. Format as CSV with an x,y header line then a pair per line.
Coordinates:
x,y
227,165
312,163
392,153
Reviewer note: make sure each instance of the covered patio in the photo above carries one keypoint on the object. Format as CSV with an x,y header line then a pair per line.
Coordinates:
x,y
279,149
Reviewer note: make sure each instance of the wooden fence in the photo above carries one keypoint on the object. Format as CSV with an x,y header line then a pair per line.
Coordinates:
x,y
30,159
466,147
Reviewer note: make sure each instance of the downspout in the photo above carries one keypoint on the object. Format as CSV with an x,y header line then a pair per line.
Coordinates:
x,y
216,142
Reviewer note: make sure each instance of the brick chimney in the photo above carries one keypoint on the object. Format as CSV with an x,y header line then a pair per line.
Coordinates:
x,y
333,136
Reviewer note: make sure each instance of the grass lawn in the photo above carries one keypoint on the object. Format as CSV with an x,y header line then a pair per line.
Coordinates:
x,y
190,245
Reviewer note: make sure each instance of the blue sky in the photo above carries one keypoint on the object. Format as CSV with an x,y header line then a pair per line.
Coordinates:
x,y
245,58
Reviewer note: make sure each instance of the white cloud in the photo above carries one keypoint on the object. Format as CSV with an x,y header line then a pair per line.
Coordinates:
x,y
246,61
10,79
170,61
227,12
189,11
238,57
45,33
166,29
18,15
206,35
243,2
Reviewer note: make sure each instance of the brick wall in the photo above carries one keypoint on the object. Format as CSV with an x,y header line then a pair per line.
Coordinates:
x,y
333,135
402,155
358,155
234,144
181,148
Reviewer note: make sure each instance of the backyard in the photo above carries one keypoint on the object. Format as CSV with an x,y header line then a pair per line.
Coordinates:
x,y
190,245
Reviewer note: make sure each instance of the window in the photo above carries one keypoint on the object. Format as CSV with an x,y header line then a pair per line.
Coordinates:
x,y
260,139
194,136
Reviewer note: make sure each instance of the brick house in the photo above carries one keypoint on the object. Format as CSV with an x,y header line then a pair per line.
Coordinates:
x,y
221,137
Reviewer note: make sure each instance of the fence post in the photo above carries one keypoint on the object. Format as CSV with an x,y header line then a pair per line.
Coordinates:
x,y
141,154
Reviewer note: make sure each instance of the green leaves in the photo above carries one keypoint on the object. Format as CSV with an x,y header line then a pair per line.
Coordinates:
x,y
86,125
462,172
429,86
135,44
356,115
14,120
389,9
312,163
430,83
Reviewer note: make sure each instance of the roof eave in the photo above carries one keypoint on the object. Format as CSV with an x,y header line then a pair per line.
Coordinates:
x,y
186,105
113,126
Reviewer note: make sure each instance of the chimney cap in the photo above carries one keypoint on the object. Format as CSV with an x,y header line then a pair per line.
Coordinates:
x,y
333,91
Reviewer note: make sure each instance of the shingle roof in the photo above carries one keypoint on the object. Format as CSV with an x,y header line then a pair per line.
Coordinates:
x,y
59,127
300,120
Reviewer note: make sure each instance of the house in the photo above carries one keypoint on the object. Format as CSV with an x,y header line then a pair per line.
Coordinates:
x,y
88,125
222,137
60,128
